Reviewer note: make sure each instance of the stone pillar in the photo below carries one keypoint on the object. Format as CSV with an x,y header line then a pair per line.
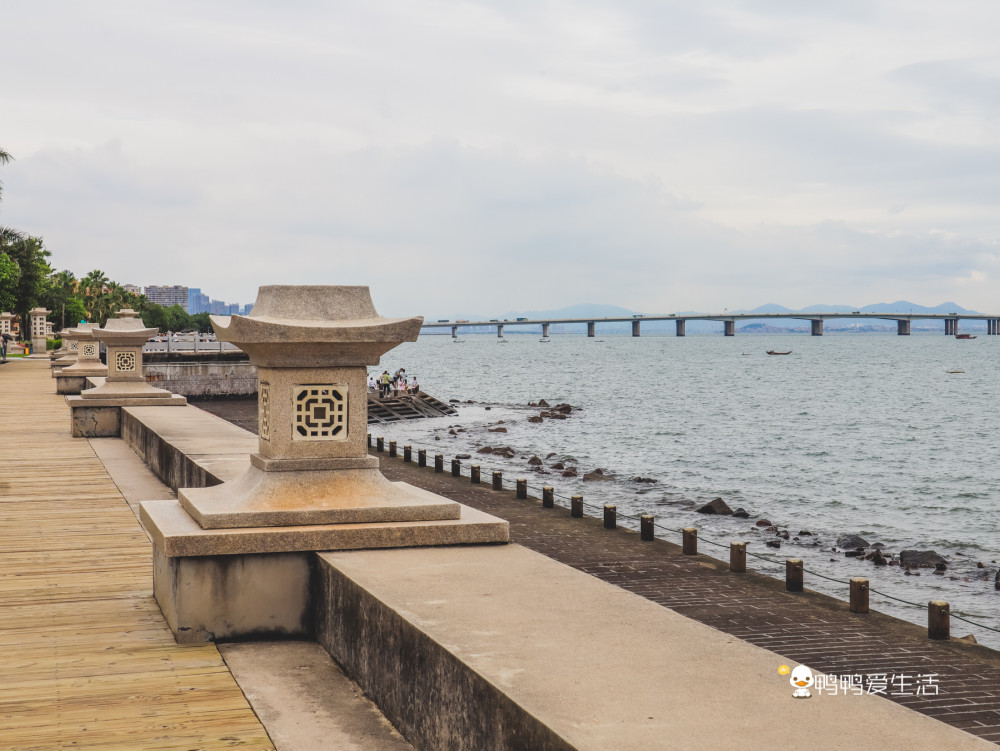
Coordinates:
x,y
817,326
499,331
729,328
635,328
681,325
454,332
5,319
545,330
38,338
903,327
96,412
311,484
590,329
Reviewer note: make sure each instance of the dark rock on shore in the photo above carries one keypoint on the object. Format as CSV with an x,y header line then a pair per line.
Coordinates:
x,y
741,513
570,472
878,558
535,418
542,403
716,506
597,476
535,461
764,523
920,558
648,480
851,542
558,465
773,543
497,430
463,456
485,450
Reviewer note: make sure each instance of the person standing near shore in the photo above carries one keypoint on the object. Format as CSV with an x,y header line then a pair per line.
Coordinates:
x,y
385,384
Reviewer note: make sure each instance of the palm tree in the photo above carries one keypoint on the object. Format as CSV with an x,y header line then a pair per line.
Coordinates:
x,y
92,286
4,158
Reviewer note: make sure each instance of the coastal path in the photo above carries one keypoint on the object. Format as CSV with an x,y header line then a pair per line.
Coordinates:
x,y
86,659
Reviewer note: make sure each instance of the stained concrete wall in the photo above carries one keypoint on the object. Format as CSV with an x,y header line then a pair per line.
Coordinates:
x,y
203,379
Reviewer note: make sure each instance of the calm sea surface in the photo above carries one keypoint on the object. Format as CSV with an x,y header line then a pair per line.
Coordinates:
x,y
863,434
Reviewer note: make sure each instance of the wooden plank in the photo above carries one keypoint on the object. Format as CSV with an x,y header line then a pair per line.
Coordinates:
x,y
86,659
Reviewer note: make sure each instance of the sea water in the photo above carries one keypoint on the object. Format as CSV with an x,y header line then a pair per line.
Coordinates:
x,y
868,434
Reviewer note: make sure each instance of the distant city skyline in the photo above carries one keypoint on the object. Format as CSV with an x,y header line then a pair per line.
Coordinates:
x,y
504,155
191,299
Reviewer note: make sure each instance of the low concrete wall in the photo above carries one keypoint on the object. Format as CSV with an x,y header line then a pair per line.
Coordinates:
x,y
203,450
204,379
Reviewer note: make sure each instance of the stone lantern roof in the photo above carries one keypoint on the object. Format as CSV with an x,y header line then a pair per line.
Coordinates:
x,y
309,326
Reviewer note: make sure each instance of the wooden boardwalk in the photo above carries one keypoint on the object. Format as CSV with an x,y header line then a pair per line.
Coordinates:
x,y
86,659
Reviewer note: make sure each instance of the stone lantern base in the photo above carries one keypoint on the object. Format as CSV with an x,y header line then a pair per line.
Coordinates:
x,y
99,417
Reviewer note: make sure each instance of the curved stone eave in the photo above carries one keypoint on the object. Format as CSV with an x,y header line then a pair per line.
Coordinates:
x,y
263,330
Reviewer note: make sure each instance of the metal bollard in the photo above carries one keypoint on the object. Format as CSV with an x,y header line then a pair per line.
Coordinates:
x,y
690,541
859,595
392,448
548,497
793,574
474,471
576,506
938,620
498,480
610,516
422,458
407,453
522,488
646,533
439,462
456,468
738,557
380,444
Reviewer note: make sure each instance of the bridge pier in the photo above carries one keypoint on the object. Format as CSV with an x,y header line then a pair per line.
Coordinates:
x,y
992,325
681,327
635,328
545,330
729,328
590,329
454,332
817,326
950,326
499,331
902,328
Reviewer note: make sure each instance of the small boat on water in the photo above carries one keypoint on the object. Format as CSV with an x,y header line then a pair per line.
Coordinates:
x,y
775,352
964,336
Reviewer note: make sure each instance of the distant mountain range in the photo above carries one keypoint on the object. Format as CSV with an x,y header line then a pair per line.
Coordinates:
x,y
593,310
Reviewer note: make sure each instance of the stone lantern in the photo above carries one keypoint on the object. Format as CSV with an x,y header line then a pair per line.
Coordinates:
x,y
73,379
67,354
96,412
38,338
235,560
312,347
5,319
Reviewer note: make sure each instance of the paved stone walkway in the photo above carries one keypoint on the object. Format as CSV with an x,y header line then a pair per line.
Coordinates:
x,y
956,682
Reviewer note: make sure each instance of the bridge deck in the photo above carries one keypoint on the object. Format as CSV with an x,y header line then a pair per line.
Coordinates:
x,y
86,659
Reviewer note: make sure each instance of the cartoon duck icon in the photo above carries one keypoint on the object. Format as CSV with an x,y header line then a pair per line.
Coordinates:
x,y
802,679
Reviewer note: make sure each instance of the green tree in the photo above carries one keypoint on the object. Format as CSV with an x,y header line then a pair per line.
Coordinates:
x,y
4,158
202,322
177,318
59,297
30,255
10,274
153,315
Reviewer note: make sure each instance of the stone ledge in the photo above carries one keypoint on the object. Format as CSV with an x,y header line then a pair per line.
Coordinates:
x,y
176,534
501,647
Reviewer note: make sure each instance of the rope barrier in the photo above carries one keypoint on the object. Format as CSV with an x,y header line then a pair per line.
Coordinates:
x,y
780,563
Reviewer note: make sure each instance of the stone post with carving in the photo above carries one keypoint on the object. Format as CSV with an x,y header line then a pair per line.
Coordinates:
x,y
310,485
73,379
96,412
38,338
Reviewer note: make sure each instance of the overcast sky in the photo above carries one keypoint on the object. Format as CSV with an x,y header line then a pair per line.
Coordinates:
x,y
485,157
